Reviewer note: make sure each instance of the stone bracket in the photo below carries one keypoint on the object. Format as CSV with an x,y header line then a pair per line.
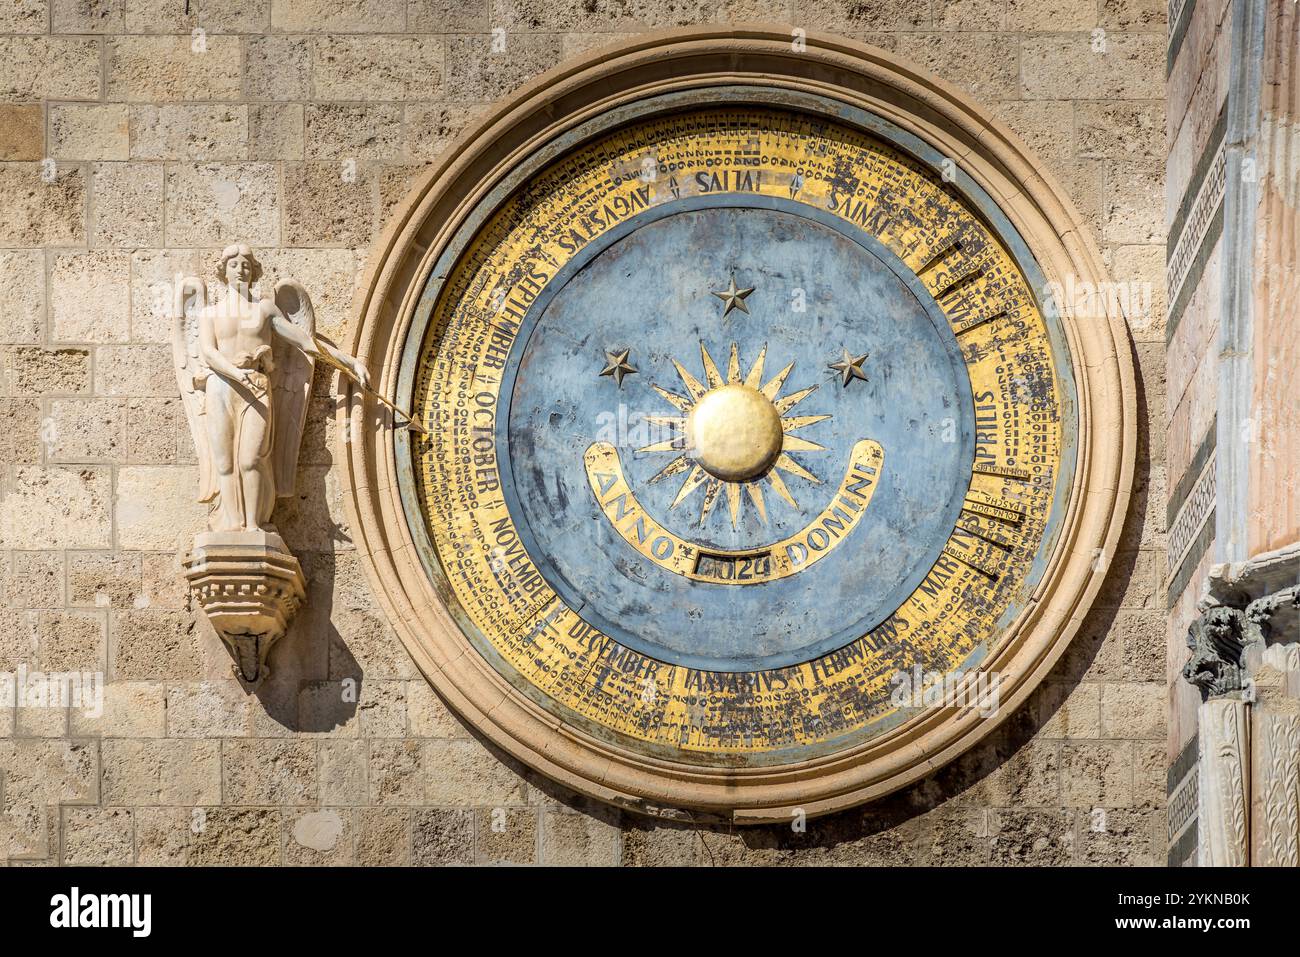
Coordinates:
x,y
250,586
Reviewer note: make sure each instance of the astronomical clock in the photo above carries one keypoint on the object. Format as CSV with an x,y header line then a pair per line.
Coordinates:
x,y
753,414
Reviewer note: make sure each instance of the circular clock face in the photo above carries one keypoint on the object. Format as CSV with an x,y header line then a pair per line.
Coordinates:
x,y
740,417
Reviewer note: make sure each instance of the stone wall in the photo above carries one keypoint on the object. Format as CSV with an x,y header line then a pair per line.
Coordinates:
x,y
137,137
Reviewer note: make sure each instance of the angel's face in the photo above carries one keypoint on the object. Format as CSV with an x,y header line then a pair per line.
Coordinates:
x,y
239,270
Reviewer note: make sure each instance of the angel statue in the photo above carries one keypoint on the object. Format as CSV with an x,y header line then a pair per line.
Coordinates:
x,y
244,366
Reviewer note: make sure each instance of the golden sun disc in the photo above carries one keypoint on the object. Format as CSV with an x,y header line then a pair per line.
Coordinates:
x,y
734,433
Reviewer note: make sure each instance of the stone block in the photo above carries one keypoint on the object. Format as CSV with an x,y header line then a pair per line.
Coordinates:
x,y
128,204
189,131
22,296
383,837
152,643
329,204
442,836
49,68
168,69
44,205
24,126
56,508
90,296
89,131
262,771
1068,66
215,204
132,709
155,508
340,131
159,772
98,837
379,68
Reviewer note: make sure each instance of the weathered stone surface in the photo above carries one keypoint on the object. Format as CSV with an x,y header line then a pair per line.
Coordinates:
x,y
318,838
579,840
189,132
329,204
86,431
35,580
378,68
209,709
1033,838
22,297
165,69
134,370
430,128
24,126
476,72
153,772
20,431
54,68
383,837
44,205
87,16
348,16
155,508
73,641
215,204
150,643
132,709
506,836
24,16
278,68
90,296
1066,66
275,131
128,204
56,508
358,132
985,65
99,837
262,771
441,836
1097,775
89,131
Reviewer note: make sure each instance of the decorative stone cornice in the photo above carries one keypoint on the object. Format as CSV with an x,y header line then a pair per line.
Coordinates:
x,y
1250,604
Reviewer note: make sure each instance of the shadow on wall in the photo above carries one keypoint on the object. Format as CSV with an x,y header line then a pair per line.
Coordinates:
x,y
315,684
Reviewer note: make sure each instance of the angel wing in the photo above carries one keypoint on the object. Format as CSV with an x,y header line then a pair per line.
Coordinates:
x,y
192,374
293,373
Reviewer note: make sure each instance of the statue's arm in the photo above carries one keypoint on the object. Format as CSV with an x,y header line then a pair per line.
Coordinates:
x,y
211,354
314,347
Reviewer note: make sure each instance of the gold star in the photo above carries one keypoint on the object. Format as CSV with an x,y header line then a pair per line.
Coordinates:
x,y
734,298
850,368
618,366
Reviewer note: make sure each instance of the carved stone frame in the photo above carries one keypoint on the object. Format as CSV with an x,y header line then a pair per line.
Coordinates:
x,y
860,76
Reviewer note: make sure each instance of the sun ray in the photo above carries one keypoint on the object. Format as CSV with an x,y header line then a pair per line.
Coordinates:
x,y
779,487
787,464
733,501
710,496
755,491
774,386
755,374
792,422
733,365
793,443
694,387
794,398
677,422
692,482
676,466
675,444
675,400
710,370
